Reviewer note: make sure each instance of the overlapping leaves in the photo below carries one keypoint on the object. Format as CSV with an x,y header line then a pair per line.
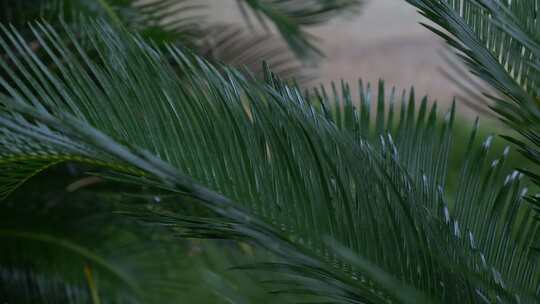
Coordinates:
x,y
355,208
500,43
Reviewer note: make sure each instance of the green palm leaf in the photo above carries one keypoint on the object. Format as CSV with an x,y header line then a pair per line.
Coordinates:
x,y
499,41
355,207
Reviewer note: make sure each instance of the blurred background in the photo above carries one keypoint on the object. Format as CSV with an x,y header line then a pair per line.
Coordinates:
x,y
384,40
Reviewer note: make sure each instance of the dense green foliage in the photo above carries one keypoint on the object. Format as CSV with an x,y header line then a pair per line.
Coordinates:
x,y
310,194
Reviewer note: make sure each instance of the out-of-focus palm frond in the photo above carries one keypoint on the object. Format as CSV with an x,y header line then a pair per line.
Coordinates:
x,y
161,20
71,248
241,49
472,90
185,22
290,16
354,206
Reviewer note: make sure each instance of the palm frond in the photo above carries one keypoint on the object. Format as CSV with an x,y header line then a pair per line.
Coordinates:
x,y
239,48
499,41
473,91
164,21
496,41
494,53
161,20
65,241
184,22
295,173
289,17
